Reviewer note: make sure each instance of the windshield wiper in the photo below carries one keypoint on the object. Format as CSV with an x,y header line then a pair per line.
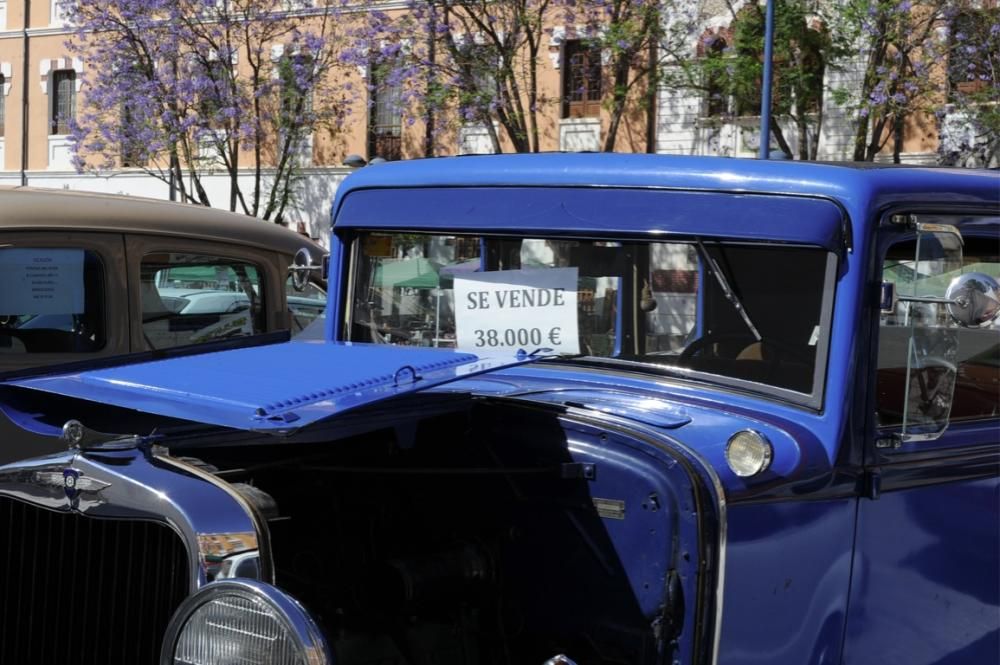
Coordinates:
x,y
720,276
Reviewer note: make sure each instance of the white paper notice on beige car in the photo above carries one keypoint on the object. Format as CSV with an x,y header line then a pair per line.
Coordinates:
x,y
510,310
41,280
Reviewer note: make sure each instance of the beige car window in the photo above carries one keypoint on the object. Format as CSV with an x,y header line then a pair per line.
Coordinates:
x,y
52,301
307,309
196,298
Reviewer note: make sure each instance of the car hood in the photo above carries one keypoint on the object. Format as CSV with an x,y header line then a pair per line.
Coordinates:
x,y
275,388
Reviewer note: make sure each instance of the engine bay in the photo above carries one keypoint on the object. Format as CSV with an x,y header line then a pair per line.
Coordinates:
x,y
491,535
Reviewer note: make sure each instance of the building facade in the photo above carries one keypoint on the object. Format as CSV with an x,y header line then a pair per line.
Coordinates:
x,y
42,83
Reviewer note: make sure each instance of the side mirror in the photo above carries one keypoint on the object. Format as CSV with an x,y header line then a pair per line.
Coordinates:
x,y
302,266
973,299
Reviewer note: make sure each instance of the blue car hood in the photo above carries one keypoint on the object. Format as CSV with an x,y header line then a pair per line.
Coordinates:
x,y
274,388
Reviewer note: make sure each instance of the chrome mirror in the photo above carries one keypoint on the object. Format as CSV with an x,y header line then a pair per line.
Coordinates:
x,y
974,299
302,265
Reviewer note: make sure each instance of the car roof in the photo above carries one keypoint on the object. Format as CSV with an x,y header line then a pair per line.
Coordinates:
x,y
31,209
858,188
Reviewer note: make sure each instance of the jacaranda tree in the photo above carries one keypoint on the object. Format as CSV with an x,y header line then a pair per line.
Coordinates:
x,y
180,88
969,126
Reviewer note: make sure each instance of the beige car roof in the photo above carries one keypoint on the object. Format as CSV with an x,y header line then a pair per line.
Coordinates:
x,y
26,208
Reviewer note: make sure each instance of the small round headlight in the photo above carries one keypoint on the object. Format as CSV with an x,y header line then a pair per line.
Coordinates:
x,y
243,622
748,453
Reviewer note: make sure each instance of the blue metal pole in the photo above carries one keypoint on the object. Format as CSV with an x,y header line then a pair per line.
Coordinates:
x,y
765,95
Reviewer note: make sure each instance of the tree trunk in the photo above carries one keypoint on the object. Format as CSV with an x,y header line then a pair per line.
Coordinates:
x,y
897,143
652,83
779,137
618,99
802,127
876,142
875,60
814,142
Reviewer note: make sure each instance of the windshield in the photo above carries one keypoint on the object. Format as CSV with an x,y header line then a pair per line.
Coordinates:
x,y
752,313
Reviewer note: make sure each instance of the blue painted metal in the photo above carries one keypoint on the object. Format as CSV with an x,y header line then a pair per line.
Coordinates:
x,y
648,410
335,288
590,211
790,536
856,189
305,382
765,95
927,578
787,582
926,584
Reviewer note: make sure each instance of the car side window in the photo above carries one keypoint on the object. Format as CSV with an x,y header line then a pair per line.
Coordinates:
x,y
968,356
195,298
52,300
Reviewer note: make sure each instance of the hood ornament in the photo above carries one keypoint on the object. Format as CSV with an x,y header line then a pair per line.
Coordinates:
x,y
79,437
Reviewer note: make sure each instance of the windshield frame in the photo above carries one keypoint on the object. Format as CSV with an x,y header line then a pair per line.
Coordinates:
x,y
813,400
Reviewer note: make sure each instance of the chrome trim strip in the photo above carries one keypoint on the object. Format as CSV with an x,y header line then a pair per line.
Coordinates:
x,y
632,427
260,526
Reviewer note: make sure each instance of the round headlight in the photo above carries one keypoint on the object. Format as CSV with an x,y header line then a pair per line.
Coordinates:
x,y
243,622
748,453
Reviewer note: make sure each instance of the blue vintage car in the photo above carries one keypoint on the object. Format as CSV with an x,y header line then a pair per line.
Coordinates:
x,y
593,409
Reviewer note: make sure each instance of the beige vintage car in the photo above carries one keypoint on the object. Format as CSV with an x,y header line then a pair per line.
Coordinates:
x,y
83,276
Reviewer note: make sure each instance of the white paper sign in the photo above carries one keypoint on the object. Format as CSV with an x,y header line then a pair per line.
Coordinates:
x,y
41,280
510,310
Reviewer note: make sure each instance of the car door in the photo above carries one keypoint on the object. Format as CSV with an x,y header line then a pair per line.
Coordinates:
x,y
926,581
63,299
184,291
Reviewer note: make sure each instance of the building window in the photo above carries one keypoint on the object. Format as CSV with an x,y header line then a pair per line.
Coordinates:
x,y
58,11
132,148
215,97
716,94
385,115
62,100
295,72
581,79
3,104
297,77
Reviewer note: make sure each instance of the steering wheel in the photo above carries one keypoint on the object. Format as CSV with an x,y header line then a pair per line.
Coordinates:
x,y
702,343
772,350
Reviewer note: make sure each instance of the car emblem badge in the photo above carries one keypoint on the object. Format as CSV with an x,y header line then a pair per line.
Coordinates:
x,y
72,482
71,479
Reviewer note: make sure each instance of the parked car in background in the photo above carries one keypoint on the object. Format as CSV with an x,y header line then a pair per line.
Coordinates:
x,y
88,276
594,409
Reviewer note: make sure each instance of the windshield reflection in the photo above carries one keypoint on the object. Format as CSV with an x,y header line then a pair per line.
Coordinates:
x,y
739,310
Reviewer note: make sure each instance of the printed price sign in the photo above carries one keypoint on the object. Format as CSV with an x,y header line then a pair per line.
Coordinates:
x,y
510,310
41,281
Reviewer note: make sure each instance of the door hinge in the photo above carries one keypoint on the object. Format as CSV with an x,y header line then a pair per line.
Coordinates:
x,y
873,484
892,441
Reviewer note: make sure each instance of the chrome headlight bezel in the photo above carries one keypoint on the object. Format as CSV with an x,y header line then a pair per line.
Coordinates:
x,y
749,453
303,631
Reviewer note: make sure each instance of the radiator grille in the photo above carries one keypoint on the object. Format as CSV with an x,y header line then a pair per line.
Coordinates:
x,y
80,590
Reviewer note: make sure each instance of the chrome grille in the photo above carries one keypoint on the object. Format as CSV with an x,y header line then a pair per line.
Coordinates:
x,y
75,589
